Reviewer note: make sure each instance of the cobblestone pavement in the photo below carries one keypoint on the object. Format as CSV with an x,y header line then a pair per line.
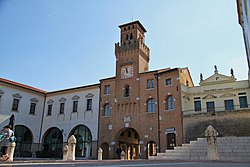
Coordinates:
x,y
119,163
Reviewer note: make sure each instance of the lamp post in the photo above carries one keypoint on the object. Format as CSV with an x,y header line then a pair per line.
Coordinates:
x,y
158,112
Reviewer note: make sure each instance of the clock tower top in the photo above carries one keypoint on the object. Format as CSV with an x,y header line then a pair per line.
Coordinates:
x,y
132,31
131,50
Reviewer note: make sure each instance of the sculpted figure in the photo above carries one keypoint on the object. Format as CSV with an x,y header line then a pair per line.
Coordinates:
x,y
211,134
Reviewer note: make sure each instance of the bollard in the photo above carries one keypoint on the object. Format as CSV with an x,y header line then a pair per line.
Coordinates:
x,y
71,149
100,153
10,150
65,152
122,155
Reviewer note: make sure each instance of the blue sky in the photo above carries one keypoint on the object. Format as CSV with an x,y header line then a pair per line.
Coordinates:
x,y
58,44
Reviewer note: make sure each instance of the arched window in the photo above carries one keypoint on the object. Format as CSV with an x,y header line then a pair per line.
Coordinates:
x,y
127,37
106,110
170,103
151,105
126,91
83,141
131,36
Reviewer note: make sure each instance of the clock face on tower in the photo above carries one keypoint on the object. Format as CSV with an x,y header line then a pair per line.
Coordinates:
x,y
127,71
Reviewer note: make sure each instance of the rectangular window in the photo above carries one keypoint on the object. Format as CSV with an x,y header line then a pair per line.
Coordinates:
x,y
210,106
75,105
32,108
197,105
49,109
229,104
89,104
15,104
62,108
150,84
107,90
243,102
168,81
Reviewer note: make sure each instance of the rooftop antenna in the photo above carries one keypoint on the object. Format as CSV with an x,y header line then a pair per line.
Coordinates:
x,y
132,17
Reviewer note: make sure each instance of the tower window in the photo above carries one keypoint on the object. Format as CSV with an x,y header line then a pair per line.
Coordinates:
x,y
127,37
168,81
126,91
151,105
107,89
150,84
170,103
131,36
106,110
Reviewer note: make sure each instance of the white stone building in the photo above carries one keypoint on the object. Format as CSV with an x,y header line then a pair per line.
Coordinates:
x,y
220,101
45,120
216,93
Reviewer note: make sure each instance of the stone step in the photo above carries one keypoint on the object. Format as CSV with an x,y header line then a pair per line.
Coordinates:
x,y
229,148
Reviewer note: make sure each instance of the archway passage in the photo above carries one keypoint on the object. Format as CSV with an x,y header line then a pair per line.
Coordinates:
x,y
83,141
151,149
53,143
105,149
24,141
128,141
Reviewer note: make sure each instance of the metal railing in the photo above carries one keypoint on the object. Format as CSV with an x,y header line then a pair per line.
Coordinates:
x,y
217,109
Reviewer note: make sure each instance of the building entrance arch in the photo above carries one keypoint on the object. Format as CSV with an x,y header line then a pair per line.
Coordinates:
x,y
151,149
105,149
52,143
128,140
83,141
24,141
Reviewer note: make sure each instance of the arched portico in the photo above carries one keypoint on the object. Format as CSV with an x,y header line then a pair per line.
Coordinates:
x,y
128,140
151,148
52,143
24,141
83,141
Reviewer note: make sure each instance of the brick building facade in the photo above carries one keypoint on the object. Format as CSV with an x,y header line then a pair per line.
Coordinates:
x,y
140,110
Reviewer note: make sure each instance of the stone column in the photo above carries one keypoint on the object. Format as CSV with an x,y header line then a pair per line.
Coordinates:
x,y
10,150
100,153
88,147
211,134
71,148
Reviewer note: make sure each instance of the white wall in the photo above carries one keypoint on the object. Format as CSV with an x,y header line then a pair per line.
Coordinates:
x,y
22,116
69,119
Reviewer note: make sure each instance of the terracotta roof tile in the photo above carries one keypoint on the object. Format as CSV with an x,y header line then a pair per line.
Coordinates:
x,y
21,85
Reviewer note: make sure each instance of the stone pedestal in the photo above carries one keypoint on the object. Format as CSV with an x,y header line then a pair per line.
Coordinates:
x,y
123,155
71,148
10,150
100,153
65,152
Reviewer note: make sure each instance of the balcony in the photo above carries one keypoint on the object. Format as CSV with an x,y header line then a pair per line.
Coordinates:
x,y
216,109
